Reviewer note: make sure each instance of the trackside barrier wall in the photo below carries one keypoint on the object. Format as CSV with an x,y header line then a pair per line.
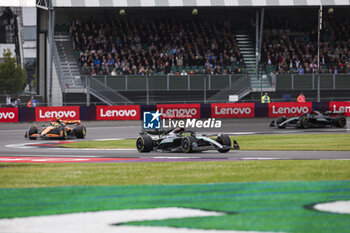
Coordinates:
x,y
9,115
174,111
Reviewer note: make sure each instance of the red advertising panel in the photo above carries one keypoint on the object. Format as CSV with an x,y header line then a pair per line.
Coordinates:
x,y
340,107
121,112
179,111
52,113
289,109
8,114
232,110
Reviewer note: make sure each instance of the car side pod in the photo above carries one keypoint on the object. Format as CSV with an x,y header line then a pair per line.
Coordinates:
x,y
272,124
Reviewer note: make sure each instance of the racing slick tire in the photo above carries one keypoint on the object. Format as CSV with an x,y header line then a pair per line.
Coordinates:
x,y
144,143
63,132
80,131
187,144
305,122
339,122
32,130
224,140
279,120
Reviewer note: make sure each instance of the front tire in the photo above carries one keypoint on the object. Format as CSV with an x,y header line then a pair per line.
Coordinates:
x,y
279,121
32,130
187,144
224,140
144,143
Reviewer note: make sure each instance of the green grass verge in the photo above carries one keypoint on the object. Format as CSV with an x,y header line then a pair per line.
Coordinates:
x,y
290,142
253,206
44,175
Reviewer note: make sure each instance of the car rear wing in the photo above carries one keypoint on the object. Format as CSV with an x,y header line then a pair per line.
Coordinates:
x,y
334,113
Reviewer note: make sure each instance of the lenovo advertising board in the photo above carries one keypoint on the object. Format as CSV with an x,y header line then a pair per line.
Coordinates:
x,y
8,114
119,112
179,111
340,107
52,113
289,109
232,110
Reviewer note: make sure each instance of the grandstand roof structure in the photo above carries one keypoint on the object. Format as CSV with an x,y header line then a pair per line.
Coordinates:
x,y
171,3
190,3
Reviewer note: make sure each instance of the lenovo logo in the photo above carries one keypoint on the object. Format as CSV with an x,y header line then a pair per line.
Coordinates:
x,y
52,113
7,115
289,110
179,112
232,111
345,109
118,113
57,114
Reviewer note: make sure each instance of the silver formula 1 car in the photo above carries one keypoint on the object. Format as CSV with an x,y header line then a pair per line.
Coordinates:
x,y
314,119
181,140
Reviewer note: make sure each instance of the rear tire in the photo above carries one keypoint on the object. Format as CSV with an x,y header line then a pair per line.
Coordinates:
x,y
305,122
32,130
80,131
224,140
144,143
339,121
186,144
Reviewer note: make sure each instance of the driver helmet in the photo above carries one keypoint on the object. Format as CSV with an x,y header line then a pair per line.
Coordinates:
x,y
178,130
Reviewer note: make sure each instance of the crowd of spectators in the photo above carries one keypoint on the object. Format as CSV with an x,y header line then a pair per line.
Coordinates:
x,y
129,46
292,48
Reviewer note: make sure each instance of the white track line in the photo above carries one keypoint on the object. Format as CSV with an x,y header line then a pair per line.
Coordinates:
x,y
105,221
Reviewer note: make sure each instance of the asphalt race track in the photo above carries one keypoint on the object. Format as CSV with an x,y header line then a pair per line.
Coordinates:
x,y
13,143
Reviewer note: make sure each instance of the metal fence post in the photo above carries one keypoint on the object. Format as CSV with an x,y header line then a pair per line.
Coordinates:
x,y
230,79
292,81
147,90
188,82
205,90
126,82
87,83
318,88
167,82
333,81
209,82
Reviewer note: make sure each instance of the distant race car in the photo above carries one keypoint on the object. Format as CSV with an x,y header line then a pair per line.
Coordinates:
x,y
312,119
57,130
181,140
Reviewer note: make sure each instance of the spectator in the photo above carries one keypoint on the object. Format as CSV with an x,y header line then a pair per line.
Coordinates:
x,y
14,102
300,69
265,99
32,102
183,73
157,45
301,98
8,101
114,72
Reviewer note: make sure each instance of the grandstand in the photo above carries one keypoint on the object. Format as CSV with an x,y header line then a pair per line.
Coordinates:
x,y
169,51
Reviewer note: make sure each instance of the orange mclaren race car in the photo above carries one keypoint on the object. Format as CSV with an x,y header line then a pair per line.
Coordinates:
x,y
57,130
